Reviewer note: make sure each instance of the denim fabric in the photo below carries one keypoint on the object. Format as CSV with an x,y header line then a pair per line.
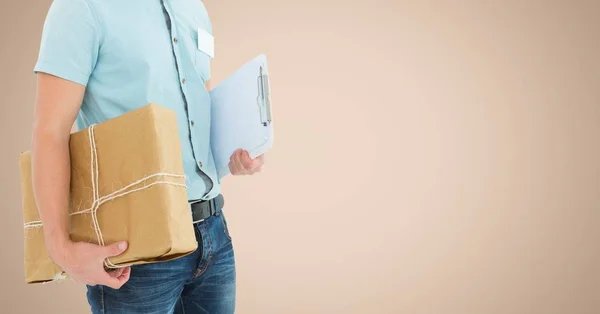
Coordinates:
x,y
202,282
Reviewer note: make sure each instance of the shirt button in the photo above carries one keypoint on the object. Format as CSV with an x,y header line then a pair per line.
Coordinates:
x,y
175,40
200,164
182,81
192,122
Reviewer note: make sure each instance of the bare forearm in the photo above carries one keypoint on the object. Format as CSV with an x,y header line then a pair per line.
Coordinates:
x,y
57,105
51,180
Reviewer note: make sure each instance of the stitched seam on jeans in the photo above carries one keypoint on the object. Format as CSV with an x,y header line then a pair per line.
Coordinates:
x,y
199,272
182,307
225,227
102,300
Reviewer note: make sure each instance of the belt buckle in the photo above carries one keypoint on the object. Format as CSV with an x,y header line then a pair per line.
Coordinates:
x,y
192,211
212,208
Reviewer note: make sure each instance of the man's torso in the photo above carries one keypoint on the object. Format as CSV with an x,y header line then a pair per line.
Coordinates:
x,y
148,54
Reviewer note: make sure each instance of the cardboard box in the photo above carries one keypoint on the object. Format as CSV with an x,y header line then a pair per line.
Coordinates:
x,y
141,195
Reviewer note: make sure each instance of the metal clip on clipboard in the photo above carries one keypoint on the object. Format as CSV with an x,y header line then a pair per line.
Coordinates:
x,y
264,98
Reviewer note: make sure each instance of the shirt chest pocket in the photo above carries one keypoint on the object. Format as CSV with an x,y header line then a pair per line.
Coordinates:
x,y
203,46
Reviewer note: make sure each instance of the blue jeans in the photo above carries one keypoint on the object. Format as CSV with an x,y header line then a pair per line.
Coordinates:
x,y
202,282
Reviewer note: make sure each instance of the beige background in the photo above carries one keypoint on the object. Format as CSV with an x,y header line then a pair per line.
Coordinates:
x,y
430,157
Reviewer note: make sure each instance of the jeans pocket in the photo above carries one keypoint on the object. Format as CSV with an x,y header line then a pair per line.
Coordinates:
x,y
225,227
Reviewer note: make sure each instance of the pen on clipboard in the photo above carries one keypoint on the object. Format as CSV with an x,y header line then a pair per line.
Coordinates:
x,y
264,97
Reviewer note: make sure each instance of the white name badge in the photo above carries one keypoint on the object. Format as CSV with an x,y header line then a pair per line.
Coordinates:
x,y
206,43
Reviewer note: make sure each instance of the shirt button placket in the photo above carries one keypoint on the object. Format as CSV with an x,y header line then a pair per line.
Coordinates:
x,y
182,78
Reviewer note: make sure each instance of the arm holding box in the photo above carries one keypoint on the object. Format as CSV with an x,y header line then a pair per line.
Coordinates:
x,y
63,67
57,104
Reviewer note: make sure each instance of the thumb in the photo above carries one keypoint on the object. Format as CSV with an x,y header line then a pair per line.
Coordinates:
x,y
115,249
113,282
247,161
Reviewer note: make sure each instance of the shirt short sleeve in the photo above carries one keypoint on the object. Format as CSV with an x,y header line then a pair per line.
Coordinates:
x,y
70,41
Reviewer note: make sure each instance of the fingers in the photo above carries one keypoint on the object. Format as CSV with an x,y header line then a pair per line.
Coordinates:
x,y
114,249
246,161
258,162
233,168
252,165
113,282
125,274
235,163
116,272
242,164
115,278
121,273
89,268
118,277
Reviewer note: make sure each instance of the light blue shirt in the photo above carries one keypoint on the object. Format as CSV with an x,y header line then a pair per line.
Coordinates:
x,y
132,53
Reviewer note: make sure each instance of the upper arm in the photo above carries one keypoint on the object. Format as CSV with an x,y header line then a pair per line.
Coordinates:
x,y
57,103
68,53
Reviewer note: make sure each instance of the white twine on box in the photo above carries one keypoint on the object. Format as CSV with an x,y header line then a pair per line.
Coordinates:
x,y
98,201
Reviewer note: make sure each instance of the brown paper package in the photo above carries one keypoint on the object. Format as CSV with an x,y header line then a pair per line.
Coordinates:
x,y
154,217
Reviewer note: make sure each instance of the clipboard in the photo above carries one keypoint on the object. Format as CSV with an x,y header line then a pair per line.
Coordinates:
x,y
241,114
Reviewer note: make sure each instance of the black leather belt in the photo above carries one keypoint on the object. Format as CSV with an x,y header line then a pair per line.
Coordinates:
x,y
204,209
